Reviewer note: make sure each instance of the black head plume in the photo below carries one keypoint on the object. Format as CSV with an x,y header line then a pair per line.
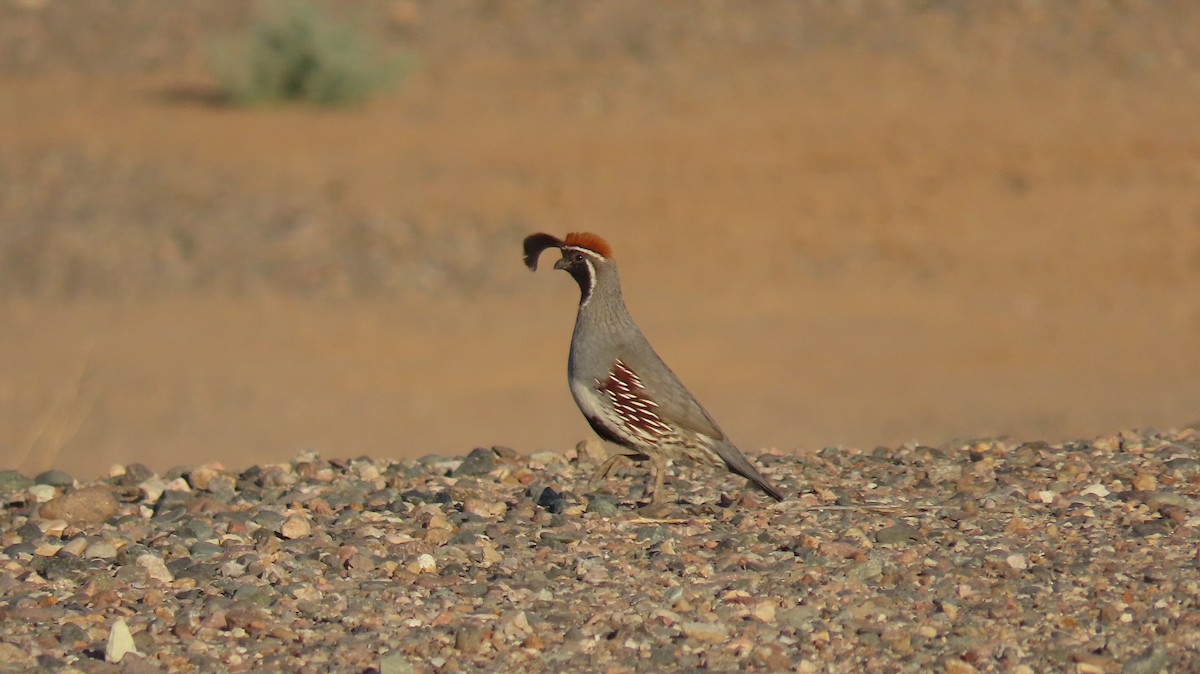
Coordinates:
x,y
535,244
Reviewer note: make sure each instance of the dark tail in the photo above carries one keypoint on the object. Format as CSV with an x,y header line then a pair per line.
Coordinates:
x,y
768,489
738,463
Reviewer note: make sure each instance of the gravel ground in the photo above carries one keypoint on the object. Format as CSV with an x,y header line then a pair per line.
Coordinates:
x,y
988,555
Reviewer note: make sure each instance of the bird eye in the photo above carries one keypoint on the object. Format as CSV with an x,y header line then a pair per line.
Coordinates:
x,y
577,257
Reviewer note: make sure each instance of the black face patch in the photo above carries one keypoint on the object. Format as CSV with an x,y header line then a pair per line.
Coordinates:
x,y
581,264
585,275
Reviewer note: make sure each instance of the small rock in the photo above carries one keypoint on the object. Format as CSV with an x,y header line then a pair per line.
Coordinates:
x,y
197,529
480,461
488,554
872,568
395,663
202,477
11,480
956,666
603,505
513,626
42,493
535,642
1093,663
799,617
591,449
552,500
1151,661
54,478
707,632
1158,499
1151,528
120,642
545,458
90,505
72,635
505,452
134,474
1017,561
11,655
897,534
76,546
248,616
1145,482
100,550
485,508
152,488
424,563
764,611
296,526
155,567
950,609
468,638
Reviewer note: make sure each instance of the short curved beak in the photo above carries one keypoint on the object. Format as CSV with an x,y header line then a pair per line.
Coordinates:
x,y
561,263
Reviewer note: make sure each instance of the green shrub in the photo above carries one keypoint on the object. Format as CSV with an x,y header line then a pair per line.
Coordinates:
x,y
297,53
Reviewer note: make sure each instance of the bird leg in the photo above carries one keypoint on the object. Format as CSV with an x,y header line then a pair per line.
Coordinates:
x,y
606,468
657,473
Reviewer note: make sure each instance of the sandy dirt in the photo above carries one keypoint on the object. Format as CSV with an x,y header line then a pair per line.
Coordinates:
x,y
971,226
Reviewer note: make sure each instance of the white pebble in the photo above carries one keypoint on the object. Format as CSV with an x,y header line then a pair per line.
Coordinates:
x,y
42,493
155,568
120,642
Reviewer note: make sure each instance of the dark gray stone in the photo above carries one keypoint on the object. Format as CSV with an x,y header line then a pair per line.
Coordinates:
x,y
480,461
54,478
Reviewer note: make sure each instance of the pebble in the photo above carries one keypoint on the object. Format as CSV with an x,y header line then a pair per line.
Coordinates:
x,y
155,567
42,493
120,642
958,666
295,527
1151,661
54,478
468,638
603,505
899,533
480,461
395,663
89,505
204,478
12,656
485,508
424,563
709,632
12,481
1017,561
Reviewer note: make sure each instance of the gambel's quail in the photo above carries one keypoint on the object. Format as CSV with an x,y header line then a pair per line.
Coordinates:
x,y
627,393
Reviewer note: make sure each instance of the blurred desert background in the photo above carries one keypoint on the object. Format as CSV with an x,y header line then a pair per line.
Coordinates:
x,y
842,223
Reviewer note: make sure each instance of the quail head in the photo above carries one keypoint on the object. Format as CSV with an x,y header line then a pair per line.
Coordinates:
x,y
626,392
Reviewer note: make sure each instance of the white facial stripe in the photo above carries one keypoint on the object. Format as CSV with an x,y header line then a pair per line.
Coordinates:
x,y
591,282
585,251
